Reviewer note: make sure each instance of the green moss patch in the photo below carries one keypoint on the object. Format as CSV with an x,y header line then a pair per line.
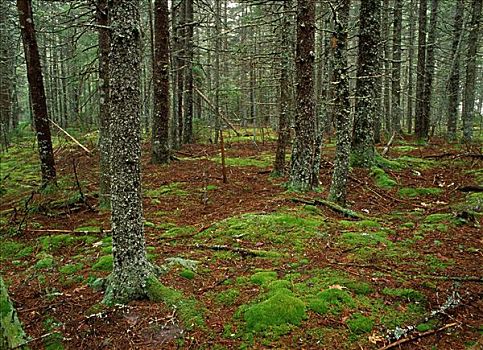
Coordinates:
x,y
410,192
54,242
242,162
173,189
381,179
14,250
360,324
46,261
365,238
404,293
70,269
228,297
263,277
105,263
187,273
332,300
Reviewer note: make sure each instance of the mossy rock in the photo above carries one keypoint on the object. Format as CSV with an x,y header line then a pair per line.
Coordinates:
x,y
360,324
281,309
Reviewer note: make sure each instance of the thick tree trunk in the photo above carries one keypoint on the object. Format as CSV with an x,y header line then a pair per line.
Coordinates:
x,y
284,117
37,91
368,68
104,105
419,126
131,268
454,77
468,115
160,139
338,187
396,68
306,149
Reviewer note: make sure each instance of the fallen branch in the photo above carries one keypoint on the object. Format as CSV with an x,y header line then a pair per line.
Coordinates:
x,y
71,137
417,336
241,251
471,188
56,231
386,149
82,196
335,207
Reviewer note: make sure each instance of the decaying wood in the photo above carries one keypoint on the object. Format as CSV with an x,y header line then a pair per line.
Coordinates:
x,y
60,231
471,188
218,112
418,336
70,136
241,251
386,149
335,207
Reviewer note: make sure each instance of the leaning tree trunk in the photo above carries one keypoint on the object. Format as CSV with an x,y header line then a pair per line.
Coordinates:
x,y
454,77
469,91
304,175
104,113
419,127
367,92
284,117
131,268
37,91
338,187
160,139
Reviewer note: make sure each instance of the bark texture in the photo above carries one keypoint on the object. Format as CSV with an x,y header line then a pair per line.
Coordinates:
x,y
131,268
396,68
37,91
338,187
188,118
367,92
469,91
420,127
160,134
304,174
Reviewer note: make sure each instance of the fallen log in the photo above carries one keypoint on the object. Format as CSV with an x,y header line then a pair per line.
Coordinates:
x,y
335,207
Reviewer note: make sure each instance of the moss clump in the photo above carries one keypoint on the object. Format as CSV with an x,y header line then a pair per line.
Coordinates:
x,y
14,250
281,309
52,243
263,277
187,273
242,162
331,300
360,324
365,238
437,218
69,269
105,263
404,293
188,309
173,189
381,179
46,261
411,192
88,229
228,297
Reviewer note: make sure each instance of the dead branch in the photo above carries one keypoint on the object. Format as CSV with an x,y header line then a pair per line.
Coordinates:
x,y
242,251
71,137
386,149
335,207
55,231
82,196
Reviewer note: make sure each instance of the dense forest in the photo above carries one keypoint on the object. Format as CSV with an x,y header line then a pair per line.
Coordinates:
x,y
246,174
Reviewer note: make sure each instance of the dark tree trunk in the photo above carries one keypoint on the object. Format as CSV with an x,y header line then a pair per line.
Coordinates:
x,y
338,187
387,67
104,105
131,268
396,68
453,86
284,117
181,69
468,115
305,154
367,94
37,91
188,118
160,139
419,126
430,68
409,116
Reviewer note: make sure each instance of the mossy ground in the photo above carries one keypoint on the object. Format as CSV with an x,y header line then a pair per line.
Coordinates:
x,y
248,268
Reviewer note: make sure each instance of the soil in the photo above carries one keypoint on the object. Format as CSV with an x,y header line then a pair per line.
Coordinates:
x,y
147,325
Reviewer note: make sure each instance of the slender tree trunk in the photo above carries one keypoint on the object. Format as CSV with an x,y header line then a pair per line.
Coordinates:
x,y
188,118
453,86
37,91
303,175
284,117
216,76
419,127
181,69
160,141
368,68
409,116
468,115
396,68
338,187
104,105
387,67
131,268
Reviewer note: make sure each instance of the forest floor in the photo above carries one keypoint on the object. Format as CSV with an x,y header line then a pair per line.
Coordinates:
x,y
250,264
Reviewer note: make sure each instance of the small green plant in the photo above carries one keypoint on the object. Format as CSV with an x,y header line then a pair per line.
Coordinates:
x,y
187,273
228,297
360,324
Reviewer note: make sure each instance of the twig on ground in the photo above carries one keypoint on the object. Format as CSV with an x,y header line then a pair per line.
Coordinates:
x,y
335,207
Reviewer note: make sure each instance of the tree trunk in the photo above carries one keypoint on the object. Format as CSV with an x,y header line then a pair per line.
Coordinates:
x,y
303,175
419,127
387,68
338,187
368,68
104,113
160,139
131,268
37,91
409,116
468,115
396,68
454,77
188,117
284,117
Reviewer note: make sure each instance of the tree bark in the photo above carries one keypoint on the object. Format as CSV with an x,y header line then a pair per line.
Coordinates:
x,y
37,91
340,82
468,115
160,139
131,268
189,48
303,175
419,127
367,94
396,68
409,116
